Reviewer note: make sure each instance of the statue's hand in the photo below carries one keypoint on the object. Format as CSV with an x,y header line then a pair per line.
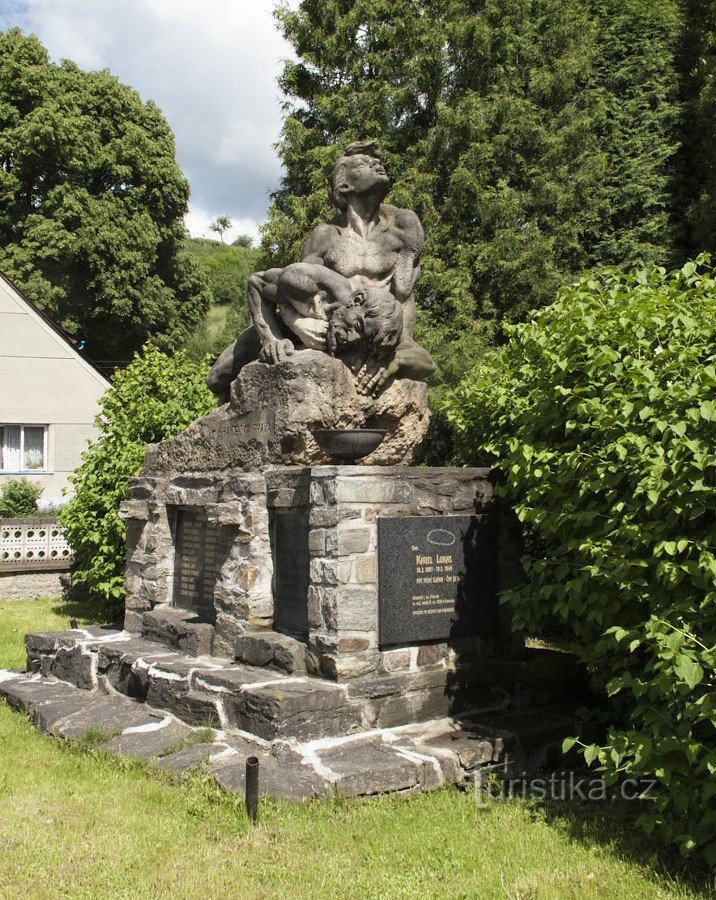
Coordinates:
x,y
370,381
275,351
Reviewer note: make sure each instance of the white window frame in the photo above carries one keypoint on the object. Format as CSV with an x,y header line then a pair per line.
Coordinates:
x,y
45,449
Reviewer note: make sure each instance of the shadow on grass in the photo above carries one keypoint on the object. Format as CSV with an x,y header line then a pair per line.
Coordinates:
x,y
612,824
86,611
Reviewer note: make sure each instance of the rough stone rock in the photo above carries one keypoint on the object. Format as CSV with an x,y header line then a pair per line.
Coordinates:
x,y
269,648
74,666
275,408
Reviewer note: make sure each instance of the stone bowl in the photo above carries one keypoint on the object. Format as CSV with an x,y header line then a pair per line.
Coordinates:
x,y
349,444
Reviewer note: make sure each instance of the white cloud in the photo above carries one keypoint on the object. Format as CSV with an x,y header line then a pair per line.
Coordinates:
x,y
211,66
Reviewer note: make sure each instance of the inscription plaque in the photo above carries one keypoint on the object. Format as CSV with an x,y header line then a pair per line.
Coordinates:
x,y
437,577
195,563
289,547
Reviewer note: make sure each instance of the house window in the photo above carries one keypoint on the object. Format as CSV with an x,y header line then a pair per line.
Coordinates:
x,y
23,448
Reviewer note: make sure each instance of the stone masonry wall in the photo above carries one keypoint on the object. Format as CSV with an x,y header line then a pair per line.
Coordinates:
x,y
235,504
342,504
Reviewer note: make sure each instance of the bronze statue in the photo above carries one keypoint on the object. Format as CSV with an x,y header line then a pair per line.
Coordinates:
x,y
352,293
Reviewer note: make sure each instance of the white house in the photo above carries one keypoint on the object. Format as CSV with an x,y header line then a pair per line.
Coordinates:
x,y
49,397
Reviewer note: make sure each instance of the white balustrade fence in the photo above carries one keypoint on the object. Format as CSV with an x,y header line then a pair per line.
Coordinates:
x,y
28,544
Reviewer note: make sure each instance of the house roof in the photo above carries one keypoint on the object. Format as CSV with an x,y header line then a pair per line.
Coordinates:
x,y
56,329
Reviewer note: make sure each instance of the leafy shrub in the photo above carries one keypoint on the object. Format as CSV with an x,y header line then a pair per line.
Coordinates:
x,y
19,498
154,398
599,413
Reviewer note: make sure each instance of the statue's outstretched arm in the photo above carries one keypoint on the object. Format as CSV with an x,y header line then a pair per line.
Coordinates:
x,y
261,296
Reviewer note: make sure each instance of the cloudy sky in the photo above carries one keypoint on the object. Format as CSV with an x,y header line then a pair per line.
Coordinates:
x,y
210,65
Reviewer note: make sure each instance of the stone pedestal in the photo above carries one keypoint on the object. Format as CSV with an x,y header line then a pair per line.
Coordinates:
x,y
299,569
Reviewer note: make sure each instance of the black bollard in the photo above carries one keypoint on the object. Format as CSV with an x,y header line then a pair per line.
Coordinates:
x,y
252,788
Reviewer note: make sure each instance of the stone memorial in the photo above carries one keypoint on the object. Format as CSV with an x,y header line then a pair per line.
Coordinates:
x,y
292,578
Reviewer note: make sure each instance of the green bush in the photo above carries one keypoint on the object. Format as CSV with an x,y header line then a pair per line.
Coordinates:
x,y
19,498
154,398
599,414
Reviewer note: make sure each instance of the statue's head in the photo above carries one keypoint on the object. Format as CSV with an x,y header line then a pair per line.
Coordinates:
x,y
358,171
374,320
382,318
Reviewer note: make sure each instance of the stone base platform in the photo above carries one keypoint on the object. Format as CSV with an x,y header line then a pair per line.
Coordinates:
x,y
312,737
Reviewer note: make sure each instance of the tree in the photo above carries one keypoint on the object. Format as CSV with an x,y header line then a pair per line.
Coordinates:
x,y
697,174
154,398
92,204
220,225
502,124
243,240
637,75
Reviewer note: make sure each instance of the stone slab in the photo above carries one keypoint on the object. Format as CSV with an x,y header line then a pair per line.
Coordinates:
x,y
157,738
437,578
195,563
196,755
28,695
370,766
289,548
284,776
104,713
231,680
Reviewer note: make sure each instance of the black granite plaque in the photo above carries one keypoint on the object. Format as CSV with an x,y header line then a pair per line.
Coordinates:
x,y
437,577
195,563
289,548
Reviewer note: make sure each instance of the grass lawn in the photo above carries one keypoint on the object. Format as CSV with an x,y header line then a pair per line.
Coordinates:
x,y
79,823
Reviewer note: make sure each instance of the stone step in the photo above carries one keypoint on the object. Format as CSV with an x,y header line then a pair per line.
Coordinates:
x,y
271,705
413,758
362,765
208,690
199,690
182,630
